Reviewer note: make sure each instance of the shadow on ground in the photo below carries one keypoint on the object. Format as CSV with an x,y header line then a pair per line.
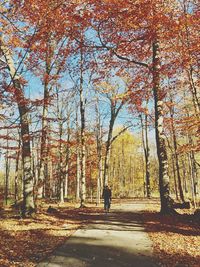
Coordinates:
x,y
181,224
90,252
86,252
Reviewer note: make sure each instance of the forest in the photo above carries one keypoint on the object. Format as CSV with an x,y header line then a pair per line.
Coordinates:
x,y
96,93
67,72
99,93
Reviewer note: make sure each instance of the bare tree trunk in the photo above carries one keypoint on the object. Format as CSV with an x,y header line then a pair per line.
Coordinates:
x,y
174,174
43,152
33,162
147,158
28,180
28,200
83,152
78,168
176,155
122,165
67,161
16,172
108,146
166,205
60,152
99,152
78,175
7,163
114,111
42,172
83,148
47,182
185,188
193,90
43,177
113,175
61,180
192,182
145,143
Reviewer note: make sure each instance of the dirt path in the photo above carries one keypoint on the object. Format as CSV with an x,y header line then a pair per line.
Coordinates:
x,y
117,239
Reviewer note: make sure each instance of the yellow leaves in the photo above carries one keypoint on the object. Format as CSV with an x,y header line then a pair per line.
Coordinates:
x,y
106,87
15,41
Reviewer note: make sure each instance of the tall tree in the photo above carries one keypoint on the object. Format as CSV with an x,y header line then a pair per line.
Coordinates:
x,y
137,33
116,103
145,142
22,103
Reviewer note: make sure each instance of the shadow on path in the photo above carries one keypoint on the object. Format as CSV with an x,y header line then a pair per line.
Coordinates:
x,y
116,239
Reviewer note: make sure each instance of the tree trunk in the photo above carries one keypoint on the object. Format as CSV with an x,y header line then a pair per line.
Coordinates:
x,y
174,174
78,168
108,146
185,188
28,200
99,152
66,171
78,175
83,148
166,205
47,179
192,182
176,155
43,152
147,159
16,172
7,163
67,158
113,115
28,180
145,143
60,164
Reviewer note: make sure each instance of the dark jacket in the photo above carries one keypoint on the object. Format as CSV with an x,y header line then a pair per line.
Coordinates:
x,y
107,194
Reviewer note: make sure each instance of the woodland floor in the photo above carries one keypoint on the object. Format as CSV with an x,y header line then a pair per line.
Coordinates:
x,y
25,242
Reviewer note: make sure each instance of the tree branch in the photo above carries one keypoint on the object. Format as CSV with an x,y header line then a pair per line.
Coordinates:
x,y
117,55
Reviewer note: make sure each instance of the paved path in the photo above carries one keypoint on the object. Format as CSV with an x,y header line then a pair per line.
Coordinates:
x,y
117,239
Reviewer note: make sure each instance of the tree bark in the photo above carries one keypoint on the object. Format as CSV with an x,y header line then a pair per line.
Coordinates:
x,y
174,174
83,148
166,205
99,152
78,175
43,150
7,163
60,151
145,143
16,171
28,199
114,111
107,152
176,155
67,161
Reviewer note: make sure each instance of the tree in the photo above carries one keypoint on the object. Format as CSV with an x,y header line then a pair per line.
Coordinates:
x,y
137,33
116,103
28,200
145,142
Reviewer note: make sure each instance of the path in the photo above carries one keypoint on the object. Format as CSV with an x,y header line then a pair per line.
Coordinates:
x,y
117,239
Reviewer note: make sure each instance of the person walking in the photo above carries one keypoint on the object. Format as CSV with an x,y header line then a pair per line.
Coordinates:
x,y
107,196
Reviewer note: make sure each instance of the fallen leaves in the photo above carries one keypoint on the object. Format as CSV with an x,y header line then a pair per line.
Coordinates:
x,y
175,239
25,242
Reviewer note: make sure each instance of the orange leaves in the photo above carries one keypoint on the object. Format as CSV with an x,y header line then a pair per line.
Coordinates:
x,y
21,243
15,41
175,239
